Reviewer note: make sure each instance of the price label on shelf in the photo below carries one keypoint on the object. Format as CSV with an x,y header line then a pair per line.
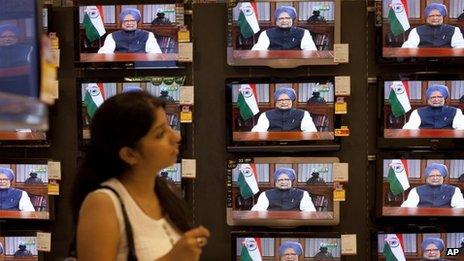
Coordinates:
x,y
44,241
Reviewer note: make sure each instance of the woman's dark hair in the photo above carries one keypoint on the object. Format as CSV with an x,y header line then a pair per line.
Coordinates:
x,y
121,121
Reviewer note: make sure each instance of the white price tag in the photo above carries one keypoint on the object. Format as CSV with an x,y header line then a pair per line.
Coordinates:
x,y
348,243
340,172
44,241
54,170
342,85
185,52
341,53
186,95
189,168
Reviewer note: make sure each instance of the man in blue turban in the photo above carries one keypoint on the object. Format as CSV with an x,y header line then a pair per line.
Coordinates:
x,y
432,248
12,198
435,194
130,39
131,88
283,196
285,36
284,117
436,115
435,33
290,251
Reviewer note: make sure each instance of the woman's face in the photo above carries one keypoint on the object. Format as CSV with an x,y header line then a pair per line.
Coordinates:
x,y
158,149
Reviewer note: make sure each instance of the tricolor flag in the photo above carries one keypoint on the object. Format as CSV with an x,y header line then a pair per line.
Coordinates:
x,y
399,98
393,248
93,22
246,102
94,97
248,19
251,250
398,176
247,180
398,16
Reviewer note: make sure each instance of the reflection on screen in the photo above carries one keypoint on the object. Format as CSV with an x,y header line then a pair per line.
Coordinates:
x,y
24,191
24,248
430,187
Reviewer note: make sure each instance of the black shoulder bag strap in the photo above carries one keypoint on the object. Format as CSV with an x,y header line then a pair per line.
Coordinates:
x,y
131,256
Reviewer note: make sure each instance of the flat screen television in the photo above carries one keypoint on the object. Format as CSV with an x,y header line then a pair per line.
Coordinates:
x,y
92,93
19,245
173,173
146,37
421,111
281,192
420,186
285,246
271,114
283,34
420,31
419,246
24,193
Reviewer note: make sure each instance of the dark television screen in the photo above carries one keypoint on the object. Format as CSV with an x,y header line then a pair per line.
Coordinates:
x,y
268,112
305,185
283,33
135,35
24,191
422,29
422,187
93,93
275,246
420,246
15,247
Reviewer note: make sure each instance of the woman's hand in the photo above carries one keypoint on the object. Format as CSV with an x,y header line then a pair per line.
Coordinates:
x,y
189,246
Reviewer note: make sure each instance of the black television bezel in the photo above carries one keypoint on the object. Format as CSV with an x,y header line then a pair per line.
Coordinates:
x,y
83,143
281,63
289,223
146,65
407,229
23,233
379,44
379,200
234,235
50,198
413,143
278,146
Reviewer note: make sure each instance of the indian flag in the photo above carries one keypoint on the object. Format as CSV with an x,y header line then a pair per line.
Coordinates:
x,y
398,16
248,19
251,250
93,22
247,180
393,248
94,97
246,102
399,98
398,176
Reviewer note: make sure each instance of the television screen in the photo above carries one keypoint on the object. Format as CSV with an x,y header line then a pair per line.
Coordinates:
x,y
281,192
420,246
283,34
422,187
281,112
285,246
18,248
422,28
24,191
136,35
93,93
173,174
423,111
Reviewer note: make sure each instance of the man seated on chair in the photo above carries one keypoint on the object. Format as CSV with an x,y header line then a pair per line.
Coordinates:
x,y
130,39
435,194
285,36
12,198
436,115
283,196
435,33
284,117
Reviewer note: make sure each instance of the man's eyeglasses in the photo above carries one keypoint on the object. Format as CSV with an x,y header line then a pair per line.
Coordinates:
x,y
436,97
284,18
281,180
129,21
432,250
284,100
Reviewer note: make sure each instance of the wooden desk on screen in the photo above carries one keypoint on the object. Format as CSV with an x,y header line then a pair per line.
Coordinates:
x,y
23,214
422,52
22,258
423,133
128,57
282,54
423,212
14,135
282,136
278,215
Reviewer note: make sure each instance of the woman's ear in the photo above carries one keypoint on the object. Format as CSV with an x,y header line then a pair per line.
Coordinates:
x,y
128,155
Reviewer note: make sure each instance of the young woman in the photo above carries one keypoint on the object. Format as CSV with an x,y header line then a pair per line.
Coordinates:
x,y
131,141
